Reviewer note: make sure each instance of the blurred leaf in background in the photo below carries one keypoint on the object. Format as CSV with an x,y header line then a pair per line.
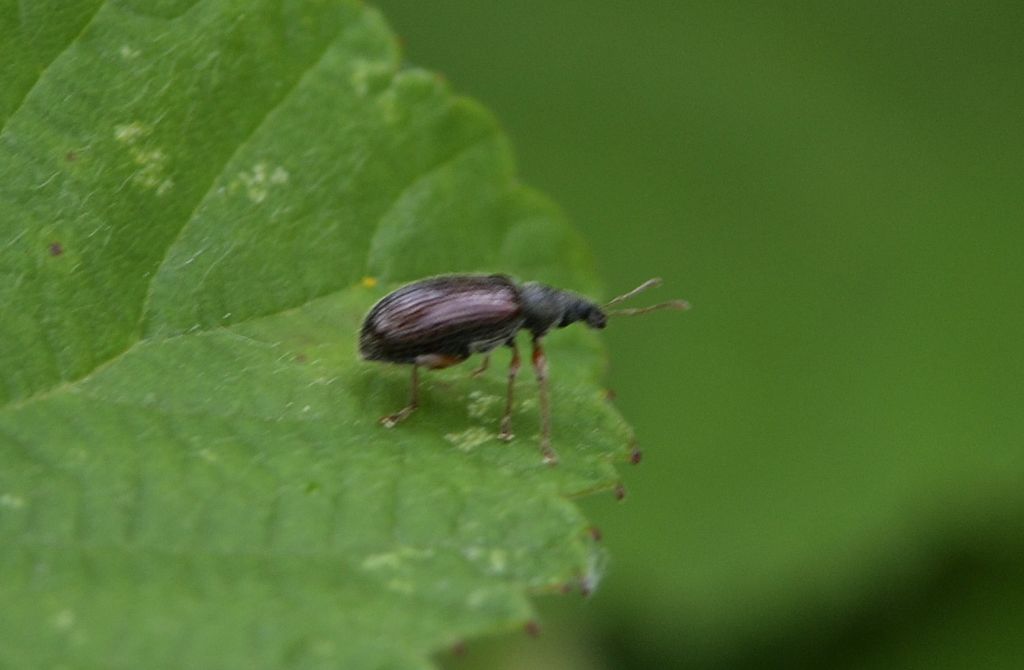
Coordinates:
x,y
834,468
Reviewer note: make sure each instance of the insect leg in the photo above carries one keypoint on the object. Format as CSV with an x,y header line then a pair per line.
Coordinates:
x,y
392,420
513,370
483,366
540,368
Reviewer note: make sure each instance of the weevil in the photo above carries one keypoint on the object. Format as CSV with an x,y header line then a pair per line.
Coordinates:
x,y
441,321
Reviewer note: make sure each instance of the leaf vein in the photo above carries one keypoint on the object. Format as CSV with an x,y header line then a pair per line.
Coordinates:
x,y
243,143
46,68
65,384
447,161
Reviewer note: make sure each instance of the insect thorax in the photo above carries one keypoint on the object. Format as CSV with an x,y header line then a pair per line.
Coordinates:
x,y
546,307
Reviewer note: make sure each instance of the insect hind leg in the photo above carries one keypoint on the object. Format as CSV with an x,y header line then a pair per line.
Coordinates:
x,y
540,368
506,419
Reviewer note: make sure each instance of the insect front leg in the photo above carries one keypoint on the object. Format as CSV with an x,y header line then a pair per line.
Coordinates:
x,y
513,370
540,368
392,420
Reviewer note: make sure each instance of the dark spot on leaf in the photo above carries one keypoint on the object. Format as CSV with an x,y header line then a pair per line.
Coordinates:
x,y
620,492
595,533
71,156
636,455
459,648
56,249
609,394
532,628
300,358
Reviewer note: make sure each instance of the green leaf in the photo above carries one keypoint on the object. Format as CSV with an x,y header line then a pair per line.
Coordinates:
x,y
199,202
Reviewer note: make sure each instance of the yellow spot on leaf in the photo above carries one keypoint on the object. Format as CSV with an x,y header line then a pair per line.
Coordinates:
x,y
498,562
469,439
378,561
64,620
130,133
258,181
151,161
11,501
480,403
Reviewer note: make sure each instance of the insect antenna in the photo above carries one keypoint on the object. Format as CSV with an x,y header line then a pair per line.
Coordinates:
x,y
671,304
633,311
650,283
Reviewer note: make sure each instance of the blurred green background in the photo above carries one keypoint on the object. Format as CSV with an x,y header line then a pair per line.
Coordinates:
x,y
834,467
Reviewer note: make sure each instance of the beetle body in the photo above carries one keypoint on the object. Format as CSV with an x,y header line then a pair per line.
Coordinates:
x,y
441,321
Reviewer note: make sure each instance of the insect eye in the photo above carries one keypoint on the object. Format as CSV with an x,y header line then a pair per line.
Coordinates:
x,y
597,319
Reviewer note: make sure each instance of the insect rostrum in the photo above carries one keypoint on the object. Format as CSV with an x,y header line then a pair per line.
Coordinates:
x,y
441,321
